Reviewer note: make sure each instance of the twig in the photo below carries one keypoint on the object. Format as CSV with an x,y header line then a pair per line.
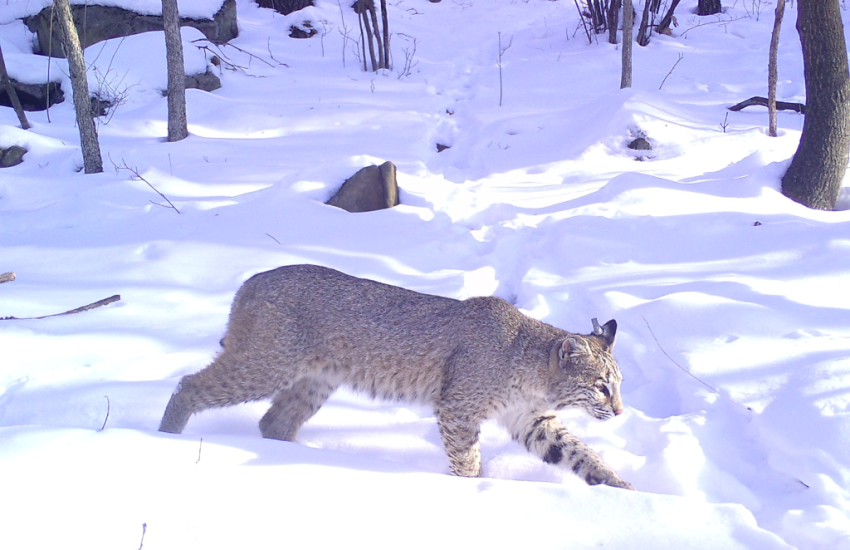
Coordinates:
x,y
673,68
107,413
237,48
99,303
587,32
725,123
7,277
273,238
200,445
136,173
686,371
144,529
501,53
706,23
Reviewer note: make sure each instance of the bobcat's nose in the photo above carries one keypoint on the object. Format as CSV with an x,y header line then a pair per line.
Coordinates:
x,y
618,412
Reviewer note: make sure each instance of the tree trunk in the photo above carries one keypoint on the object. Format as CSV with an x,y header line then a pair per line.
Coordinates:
x,y
817,169
772,71
613,20
628,24
92,160
708,7
178,127
386,23
378,40
664,25
13,95
644,31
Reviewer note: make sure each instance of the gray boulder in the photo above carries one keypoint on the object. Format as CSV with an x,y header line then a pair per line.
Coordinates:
x,y
12,156
34,97
104,23
371,188
207,81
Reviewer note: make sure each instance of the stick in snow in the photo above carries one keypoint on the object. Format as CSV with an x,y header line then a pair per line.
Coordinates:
x,y
781,105
99,303
7,277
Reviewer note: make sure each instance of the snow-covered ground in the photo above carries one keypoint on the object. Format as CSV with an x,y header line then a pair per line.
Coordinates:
x,y
732,301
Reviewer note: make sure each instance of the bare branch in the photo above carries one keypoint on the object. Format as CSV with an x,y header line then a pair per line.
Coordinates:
x,y
99,303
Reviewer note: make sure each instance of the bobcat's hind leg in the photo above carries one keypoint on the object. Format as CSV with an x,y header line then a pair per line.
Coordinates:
x,y
461,441
224,382
292,407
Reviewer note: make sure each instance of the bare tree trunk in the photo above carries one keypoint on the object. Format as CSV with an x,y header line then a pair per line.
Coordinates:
x,y
82,100
628,24
644,31
13,95
363,9
664,25
816,172
613,20
385,21
178,127
772,71
708,7
378,40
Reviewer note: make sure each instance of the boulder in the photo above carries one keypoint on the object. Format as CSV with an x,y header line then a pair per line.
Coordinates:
x,y
640,144
371,188
207,81
285,7
12,156
34,97
105,22
305,30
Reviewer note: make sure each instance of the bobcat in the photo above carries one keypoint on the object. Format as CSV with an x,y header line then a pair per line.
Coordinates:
x,y
297,333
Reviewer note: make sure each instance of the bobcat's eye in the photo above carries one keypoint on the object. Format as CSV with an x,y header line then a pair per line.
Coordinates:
x,y
603,387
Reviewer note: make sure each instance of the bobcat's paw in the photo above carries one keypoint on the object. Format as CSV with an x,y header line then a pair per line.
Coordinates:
x,y
607,477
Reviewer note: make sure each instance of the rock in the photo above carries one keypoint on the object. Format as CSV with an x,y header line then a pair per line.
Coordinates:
x,y
34,97
103,23
207,81
441,147
640,144
12,156
306,30
371,188
285,7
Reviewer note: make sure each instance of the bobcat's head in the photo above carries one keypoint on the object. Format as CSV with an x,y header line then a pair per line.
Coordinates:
x,y
587,375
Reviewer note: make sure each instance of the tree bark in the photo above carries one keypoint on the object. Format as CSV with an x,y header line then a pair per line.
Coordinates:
x,y
644,31
628,24
13,95
178,126
772,71
817,169
613,20
92,160
708,7
386,23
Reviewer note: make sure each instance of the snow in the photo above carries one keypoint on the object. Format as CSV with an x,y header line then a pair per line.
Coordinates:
x,y
731,300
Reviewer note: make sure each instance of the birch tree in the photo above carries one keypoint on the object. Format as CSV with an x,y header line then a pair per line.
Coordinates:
x,y
92,161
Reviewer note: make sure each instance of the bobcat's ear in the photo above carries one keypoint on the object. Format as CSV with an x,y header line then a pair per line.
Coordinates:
x,y
607,332
571,347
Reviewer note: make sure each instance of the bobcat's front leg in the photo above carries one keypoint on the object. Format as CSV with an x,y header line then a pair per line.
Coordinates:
x,y
543,435
461,441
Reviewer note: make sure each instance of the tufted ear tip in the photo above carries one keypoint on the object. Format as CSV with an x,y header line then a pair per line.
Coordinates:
x,y
607,332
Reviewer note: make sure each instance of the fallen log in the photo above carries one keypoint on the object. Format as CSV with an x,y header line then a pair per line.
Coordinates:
x,y
7,277
762,101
